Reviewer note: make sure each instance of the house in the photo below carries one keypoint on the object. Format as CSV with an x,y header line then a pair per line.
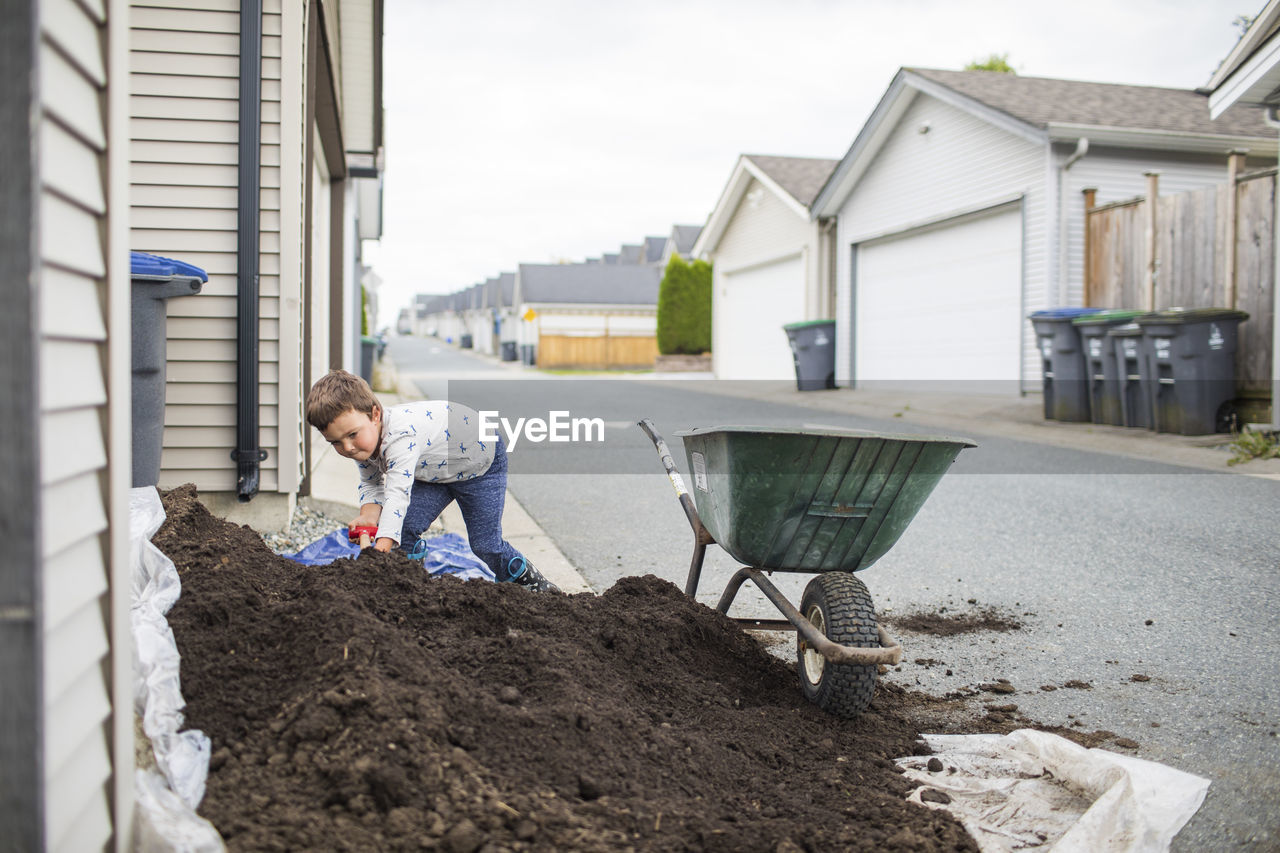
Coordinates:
x,y
241,358
772,263
121,130
679,242
587,315
1249,79
960,208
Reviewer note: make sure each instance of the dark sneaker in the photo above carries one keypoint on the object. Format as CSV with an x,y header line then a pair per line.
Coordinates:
x,y
522,572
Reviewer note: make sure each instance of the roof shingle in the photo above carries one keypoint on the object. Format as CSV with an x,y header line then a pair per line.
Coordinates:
x,y
1041,101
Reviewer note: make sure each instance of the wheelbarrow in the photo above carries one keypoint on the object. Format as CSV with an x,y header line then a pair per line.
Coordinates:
x,y
829,502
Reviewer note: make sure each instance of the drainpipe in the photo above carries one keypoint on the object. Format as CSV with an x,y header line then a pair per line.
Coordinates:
x,y
1082,148
248,455
1274,121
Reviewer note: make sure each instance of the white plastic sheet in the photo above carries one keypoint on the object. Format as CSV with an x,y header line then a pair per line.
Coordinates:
x,y
166,802
1030,789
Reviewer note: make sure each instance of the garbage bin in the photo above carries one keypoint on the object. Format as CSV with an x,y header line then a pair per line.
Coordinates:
x,y
1102,373
466,342
368,355
528,355
1066,386
1191,354
1132,374
154,280
813,349
509,351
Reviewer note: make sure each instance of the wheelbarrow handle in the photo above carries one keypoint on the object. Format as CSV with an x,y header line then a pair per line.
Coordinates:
x,y
701,538
665,455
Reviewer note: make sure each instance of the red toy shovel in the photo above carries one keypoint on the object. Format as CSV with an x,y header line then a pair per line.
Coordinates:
x,y
363,533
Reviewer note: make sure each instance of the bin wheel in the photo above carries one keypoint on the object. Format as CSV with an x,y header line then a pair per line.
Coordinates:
x,y
839,606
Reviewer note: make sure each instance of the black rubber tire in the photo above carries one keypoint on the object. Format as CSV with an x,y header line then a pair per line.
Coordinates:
x,y
843,606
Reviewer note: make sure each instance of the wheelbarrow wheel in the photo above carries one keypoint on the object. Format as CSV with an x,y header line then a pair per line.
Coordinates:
x,y
839,606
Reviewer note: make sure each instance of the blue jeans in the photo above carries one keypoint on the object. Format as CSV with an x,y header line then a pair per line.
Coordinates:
x,y
481,501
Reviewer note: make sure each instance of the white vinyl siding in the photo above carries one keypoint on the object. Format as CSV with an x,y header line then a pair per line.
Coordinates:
x,y
184,125
959,165
77,660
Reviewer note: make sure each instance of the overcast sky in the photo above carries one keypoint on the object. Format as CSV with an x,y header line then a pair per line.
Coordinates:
x,y
548,130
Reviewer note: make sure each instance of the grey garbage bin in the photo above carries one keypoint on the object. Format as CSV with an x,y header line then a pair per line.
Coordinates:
x,y
528,354
813,349
1191,355
1063,368
154,281
509,351
466,342
368,355
1132,374
1102,373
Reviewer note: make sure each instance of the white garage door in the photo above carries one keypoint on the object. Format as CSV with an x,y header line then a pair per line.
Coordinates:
x,y
749,309
941,305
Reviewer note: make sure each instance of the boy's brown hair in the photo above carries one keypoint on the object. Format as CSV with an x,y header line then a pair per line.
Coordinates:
x,y
335,393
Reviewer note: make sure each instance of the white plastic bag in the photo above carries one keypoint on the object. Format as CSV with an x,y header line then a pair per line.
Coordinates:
x,y
1035,789
165,806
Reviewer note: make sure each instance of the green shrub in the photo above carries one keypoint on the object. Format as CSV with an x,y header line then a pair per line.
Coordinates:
x,y
684,308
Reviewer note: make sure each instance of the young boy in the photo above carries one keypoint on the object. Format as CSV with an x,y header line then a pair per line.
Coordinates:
x,y
414,459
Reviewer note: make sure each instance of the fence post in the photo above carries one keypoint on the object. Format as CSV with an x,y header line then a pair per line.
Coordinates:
x,y
1235,165
1153,196
1089,285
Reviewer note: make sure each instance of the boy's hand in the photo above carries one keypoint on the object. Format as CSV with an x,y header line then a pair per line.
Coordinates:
x,y
384,544
370,515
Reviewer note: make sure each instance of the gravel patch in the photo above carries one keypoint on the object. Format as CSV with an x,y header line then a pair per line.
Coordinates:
x,y
308,525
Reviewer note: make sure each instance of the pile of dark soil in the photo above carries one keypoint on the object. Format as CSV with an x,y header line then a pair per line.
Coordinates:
x,y
365,706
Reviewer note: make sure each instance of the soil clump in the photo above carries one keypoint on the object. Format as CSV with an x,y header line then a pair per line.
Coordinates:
x,y
366,706
949,625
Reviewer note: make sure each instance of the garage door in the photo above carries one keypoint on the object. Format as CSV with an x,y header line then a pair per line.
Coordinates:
x,y
942,304
749,309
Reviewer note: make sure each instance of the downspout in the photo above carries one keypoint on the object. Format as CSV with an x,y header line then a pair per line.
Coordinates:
x,y
1082,148
1273,119
248,455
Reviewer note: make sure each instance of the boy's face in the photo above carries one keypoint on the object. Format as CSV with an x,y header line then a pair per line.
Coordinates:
x,y
354,434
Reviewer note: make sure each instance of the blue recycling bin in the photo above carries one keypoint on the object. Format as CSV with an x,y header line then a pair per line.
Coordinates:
x,y
1066,386
155,280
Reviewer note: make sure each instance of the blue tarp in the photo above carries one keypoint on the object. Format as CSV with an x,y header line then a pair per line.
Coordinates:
x,y
445,554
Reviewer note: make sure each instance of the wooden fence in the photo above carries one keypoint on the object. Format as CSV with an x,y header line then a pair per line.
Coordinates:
x,y
597,352
1201,249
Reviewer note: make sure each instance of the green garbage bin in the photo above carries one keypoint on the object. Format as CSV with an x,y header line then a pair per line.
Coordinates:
x,y
1191,356
1062,365
813,350
1102,375
155,280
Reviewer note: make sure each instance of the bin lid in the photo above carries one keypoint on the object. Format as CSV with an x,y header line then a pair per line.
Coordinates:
x,y
146,266
805,324
1192,315
1109,316
1126,330
1061,313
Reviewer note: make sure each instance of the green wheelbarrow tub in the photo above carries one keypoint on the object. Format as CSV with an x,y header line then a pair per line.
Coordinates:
x,y
805,500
